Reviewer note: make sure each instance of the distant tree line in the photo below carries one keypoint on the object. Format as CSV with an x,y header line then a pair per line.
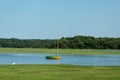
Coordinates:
x,y
77,42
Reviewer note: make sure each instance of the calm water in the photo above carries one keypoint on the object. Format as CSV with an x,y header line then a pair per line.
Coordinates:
x,y
86,60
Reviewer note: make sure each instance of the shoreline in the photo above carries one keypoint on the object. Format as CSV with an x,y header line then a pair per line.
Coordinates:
x,y
59,51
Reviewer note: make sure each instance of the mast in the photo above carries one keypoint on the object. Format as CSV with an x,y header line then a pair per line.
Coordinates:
x,y
57,46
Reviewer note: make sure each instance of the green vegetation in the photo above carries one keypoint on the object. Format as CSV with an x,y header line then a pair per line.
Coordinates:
x,y
64,51
77,42
58,72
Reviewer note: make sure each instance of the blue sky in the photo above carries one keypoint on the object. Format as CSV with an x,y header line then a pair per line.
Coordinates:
x,y
50,19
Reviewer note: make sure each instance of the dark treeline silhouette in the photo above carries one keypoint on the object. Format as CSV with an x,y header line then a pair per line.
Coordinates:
x,y
77,42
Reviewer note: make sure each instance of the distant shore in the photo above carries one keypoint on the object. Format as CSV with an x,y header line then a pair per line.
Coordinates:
x,y
59,51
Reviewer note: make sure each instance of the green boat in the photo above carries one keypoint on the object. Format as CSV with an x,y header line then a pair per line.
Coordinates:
x,y
53,57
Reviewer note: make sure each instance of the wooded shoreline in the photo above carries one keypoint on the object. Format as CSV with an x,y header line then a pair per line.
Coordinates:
x,y
76,42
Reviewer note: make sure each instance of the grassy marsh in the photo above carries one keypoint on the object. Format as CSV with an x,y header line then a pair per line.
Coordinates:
x,y
63,51
58,72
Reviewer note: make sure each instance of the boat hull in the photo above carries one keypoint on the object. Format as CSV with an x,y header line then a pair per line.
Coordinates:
x,y
53,57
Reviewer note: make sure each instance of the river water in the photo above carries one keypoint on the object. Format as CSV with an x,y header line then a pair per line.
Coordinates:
x,y
83,60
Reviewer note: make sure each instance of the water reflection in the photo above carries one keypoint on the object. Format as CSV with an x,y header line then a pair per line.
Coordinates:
x,y
87,60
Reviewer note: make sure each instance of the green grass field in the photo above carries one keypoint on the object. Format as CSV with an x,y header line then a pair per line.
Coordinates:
x,y
58,72
64,51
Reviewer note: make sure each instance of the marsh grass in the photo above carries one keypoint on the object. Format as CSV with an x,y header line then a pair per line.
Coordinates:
x,y
58,72
63,51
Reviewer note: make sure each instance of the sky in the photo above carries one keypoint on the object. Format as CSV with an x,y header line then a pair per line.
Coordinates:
x,y
51,19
